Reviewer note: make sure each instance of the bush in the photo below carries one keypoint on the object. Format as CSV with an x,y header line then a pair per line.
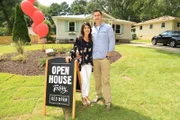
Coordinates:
x,y
19,57
3,31
63,50
19,47
2,57
134,36
20,30
42,61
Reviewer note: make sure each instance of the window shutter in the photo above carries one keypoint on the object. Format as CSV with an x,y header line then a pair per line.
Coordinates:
x,y
122,28
77,26
66,26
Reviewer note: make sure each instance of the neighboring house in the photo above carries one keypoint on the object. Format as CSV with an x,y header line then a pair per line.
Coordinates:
x,y
146,30
68,27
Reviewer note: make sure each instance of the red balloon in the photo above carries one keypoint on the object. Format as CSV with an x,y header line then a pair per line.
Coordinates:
x,y
27,7
34,27
32,1
35,8
37,17
42,29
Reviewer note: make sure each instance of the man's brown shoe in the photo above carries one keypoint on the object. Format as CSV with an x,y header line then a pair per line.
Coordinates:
x,y
97,99
108,107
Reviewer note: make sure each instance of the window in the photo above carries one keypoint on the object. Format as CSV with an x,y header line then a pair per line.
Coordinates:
x,y
140,27
178,24
113,26
71,26
162,25
151,26
71,40
118,28
166,33
175,33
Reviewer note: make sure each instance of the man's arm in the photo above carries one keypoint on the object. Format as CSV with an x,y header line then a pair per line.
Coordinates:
x,y
111,41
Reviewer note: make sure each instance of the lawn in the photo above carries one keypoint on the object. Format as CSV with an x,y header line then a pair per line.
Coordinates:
x,y
145,86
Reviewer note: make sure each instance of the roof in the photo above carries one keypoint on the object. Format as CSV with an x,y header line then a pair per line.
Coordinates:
x,y
124,21
84,16
159,19
89,16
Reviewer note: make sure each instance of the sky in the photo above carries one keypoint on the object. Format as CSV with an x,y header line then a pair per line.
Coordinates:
x,y
49,2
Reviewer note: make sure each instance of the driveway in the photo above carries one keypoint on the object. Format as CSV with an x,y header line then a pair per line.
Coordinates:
x,y
158,46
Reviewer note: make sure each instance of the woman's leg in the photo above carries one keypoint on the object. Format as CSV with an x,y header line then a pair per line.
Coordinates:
x,y
84,79
88,71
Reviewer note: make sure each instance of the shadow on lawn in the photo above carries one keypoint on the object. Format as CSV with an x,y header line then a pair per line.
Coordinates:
x,y
97,112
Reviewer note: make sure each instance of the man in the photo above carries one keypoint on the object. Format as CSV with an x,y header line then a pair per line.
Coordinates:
x,y
103,45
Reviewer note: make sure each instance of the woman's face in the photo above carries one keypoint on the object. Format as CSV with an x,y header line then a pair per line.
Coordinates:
x,y
86,30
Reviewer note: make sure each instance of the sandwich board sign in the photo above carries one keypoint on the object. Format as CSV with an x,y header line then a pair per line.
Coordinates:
x,y
61,83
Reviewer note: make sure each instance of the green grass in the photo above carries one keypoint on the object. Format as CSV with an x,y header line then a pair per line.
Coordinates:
x,y
145,86
146,41
11,48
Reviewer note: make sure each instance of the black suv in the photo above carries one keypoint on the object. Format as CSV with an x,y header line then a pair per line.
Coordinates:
x,y
170,37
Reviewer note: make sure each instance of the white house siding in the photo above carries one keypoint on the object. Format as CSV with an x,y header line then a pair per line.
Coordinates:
x,y
62,32
175,25
146,33
125,32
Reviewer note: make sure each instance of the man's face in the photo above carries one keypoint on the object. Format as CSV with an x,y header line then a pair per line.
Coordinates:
x,y
97,17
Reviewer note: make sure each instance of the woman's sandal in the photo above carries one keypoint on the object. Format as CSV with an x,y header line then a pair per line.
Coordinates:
x,y
84,102
88,101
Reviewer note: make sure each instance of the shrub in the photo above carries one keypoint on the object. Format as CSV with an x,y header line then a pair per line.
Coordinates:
x,y
134,36
42,61
63,50
19,47
19,57
20,30
3,31
2,57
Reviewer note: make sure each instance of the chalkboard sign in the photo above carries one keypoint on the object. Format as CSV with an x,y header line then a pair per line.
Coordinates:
x,y
62,80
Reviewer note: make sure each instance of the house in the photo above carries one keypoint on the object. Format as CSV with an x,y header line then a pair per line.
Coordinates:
x,y
146,30
68,26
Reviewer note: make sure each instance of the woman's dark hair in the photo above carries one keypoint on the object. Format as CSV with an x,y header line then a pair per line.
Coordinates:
x,y
82,31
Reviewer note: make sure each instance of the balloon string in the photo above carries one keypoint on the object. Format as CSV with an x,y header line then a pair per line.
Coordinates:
x,y
44,48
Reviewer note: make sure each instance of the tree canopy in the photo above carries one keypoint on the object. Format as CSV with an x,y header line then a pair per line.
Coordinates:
x,y
133,10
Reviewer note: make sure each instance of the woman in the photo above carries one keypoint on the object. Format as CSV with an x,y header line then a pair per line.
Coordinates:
x,y
82,50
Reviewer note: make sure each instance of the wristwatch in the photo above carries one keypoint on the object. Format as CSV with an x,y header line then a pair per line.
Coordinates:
x,y
108,57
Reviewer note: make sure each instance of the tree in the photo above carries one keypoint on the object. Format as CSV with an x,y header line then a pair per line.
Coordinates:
x,y
7,7
96,4
65,8
79,7
20,31
50,30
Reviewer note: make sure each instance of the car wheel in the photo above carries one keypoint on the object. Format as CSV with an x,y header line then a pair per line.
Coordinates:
x,y
164,44
154,41
173,43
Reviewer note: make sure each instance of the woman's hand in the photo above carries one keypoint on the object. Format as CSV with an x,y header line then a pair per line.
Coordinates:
x,y
68,59
78,55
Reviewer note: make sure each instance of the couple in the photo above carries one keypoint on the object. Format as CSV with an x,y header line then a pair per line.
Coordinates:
x,y
94,49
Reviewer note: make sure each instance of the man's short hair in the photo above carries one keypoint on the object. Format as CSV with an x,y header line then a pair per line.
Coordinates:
x,y
98,11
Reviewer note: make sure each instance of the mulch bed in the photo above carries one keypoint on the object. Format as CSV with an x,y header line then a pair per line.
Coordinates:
x,y
31,66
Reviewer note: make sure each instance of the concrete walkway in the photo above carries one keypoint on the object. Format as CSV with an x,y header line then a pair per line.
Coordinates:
x,y
158,46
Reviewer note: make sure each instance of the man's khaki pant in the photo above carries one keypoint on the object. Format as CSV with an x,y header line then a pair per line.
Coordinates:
x,y
102,78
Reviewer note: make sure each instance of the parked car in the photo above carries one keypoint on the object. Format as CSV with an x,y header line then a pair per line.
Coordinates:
x,y
170,37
